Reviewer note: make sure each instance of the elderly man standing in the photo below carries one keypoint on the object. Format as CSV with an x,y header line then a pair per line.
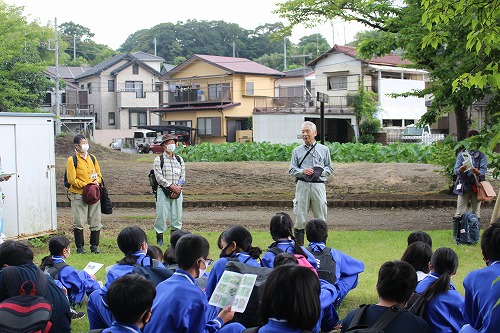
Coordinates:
x,y
310,165
170,173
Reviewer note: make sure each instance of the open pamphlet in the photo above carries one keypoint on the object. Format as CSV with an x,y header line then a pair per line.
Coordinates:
x,y
93,267
467,160
234,289
6,174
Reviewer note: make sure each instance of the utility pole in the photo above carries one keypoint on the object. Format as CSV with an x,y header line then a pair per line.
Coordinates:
x,y
58,105
154,42
284,54
234,49
74,47
303,56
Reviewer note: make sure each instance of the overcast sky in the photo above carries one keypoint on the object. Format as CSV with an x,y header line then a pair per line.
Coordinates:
x,y
113,21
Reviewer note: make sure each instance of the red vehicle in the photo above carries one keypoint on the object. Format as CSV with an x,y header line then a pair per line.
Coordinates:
x,y
156,148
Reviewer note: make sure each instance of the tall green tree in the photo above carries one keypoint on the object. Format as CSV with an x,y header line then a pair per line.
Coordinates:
x,y
314,45
23,58
401,27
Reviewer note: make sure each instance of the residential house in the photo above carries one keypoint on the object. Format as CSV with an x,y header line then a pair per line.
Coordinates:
x,y
215,95
76,114
338,73
122,90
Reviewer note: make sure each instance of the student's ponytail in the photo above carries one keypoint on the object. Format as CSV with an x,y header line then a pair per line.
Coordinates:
x,y
445,263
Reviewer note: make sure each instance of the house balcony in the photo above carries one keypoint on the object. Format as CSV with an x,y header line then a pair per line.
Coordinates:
x,y
137,99
336,104
74,110
198,96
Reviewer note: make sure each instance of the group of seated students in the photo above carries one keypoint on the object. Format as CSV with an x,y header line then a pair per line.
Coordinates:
x,y
294,298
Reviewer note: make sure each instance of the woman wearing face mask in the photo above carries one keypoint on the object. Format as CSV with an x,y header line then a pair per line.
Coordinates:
x,y
170,173
83,169
236,245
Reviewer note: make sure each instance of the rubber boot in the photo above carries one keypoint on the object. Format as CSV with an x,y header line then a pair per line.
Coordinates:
x,y
79,241
94,241
299,236
456,227
172,230
159,239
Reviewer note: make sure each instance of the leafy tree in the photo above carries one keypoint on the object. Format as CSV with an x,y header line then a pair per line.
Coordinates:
x,y
314,45
23,58
362,35
365,105
400,27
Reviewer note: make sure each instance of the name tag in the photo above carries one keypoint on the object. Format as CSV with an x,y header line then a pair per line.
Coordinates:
x,y
93,176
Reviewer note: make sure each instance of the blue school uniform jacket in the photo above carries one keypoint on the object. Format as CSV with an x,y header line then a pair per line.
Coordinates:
x,y
346,271
219,267
99,314
443,313
78,283
180,306
481,296
278,326
286,246
117,327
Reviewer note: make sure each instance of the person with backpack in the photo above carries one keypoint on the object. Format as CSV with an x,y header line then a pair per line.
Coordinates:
x,y
133,242
130,299
482,288
334,266
281,227
329,318
310,164
77,283
170,173
396,282
20,256
180,305
291,300
443,303
236,245
83,169
469,167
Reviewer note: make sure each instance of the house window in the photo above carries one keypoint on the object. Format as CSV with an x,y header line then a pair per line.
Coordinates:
x,y
111,85
180,123
138,118
209,126
136,86
220,91
337,83
89,87
135,69
47,101
249,88
397,122
111,118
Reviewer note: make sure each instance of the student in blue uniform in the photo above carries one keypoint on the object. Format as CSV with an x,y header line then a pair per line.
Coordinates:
x,y
291,300
281,227
346,269
77,283
130,299
169,255
328,318
419,236
180,305
482,288
418,255
235,244
396,282
443,311
133,242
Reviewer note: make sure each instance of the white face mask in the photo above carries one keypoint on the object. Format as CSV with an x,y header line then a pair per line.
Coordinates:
x,y
85,147
171,147
202,271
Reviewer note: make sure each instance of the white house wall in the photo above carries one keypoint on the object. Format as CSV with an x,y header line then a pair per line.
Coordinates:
x,y
401,107
337,63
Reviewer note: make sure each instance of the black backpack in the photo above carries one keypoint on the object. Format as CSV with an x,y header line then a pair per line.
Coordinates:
x,y
26,311
378,326
251,316
468,232
152,178
75,163
256,330
416,304
153,273
326,264
53,270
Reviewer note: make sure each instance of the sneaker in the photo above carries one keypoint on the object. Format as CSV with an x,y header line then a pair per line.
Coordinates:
x,y
75,315
80,250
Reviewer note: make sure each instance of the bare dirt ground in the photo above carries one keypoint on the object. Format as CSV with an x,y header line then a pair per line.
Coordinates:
x,y
126,178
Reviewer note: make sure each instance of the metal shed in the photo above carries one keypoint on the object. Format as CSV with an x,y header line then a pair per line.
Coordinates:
x,y
27,148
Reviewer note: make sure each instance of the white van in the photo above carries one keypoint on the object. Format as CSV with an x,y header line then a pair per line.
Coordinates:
x,y
143,137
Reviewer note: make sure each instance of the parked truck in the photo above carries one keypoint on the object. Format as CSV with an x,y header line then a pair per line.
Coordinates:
x,y
422,135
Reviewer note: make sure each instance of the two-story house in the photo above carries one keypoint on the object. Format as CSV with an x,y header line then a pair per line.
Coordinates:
x,y
122,90
215,95
338,73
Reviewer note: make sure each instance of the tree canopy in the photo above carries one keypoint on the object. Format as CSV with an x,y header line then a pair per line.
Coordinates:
x,y
400,26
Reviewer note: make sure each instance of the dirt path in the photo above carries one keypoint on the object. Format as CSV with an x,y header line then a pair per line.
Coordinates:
x,y
257,218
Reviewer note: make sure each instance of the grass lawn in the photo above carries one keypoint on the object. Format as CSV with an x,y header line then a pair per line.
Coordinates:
x,y
371,247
